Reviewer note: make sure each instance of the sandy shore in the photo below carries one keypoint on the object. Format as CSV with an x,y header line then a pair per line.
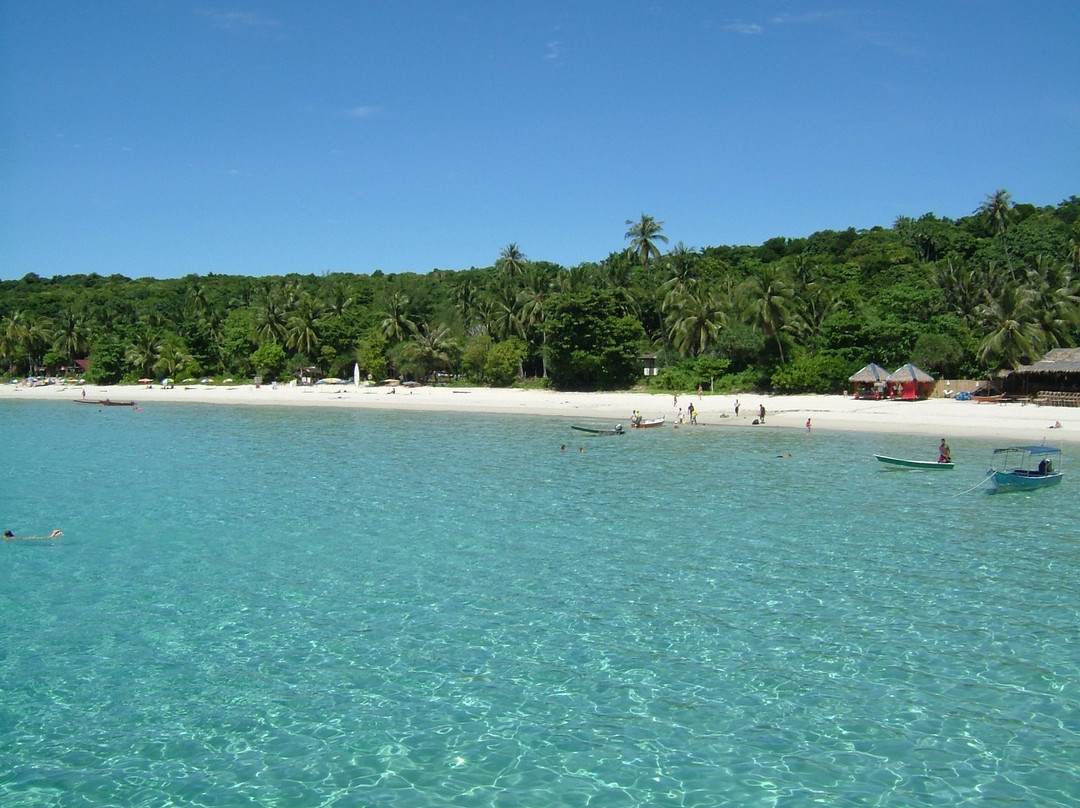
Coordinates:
x,y
1012,422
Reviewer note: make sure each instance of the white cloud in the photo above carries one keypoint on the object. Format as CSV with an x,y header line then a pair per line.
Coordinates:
x,y
554,50
362,112
228,20
743,28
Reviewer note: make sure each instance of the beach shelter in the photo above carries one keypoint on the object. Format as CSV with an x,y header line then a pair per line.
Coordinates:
x,y
910,382
869,382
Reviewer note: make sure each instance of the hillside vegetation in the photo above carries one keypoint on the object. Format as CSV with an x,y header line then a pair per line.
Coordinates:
x,y
960,298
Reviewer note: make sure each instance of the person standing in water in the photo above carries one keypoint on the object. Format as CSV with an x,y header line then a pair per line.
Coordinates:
x,y
944,452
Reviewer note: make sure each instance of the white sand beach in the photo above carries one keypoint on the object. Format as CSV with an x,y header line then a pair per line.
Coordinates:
x,y
938,417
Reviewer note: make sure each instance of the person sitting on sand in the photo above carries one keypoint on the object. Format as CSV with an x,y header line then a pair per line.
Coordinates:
x,y
9,536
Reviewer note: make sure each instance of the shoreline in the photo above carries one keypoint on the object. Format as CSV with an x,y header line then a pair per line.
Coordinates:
x,y
1008,423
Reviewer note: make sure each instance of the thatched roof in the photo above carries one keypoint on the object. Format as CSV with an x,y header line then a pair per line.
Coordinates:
x,y
870,373
1059,360
910,373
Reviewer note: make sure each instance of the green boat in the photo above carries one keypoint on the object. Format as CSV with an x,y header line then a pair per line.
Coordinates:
x,y
618,430
900,463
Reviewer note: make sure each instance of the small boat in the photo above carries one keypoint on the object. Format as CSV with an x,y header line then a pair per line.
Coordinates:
x,y
105,402
901,463
647,424
1022,468
618,430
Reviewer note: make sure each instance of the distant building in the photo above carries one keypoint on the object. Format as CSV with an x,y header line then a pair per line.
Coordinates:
x,y
648,364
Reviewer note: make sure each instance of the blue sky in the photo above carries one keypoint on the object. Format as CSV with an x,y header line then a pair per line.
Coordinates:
x,y
158,139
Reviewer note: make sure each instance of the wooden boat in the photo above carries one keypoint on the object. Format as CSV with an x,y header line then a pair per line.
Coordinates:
x,y
105,402
1023,468
901,463
648,424
618,430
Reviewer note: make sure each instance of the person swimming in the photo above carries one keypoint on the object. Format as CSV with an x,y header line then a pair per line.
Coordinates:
x,y
9,536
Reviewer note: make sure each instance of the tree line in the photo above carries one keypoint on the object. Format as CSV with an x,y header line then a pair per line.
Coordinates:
x,y
959,297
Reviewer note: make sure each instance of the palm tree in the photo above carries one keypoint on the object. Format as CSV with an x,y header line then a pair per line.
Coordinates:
x,y
533,300
396,324
196,295
694,321
142,352
431,348
465,294
998,210
1011,333
11,340
270,317
680,265
72,337
338,297
960,287
172,357
643,235
1055,301
36,339
512,261
303,326
813,308
506,313
768,300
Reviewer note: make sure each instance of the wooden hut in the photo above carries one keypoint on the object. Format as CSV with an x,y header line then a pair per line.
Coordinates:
x,y
1053,380
910,383
869,382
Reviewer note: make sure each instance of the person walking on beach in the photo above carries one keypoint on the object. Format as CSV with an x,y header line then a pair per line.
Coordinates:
x,y
692,413
761,413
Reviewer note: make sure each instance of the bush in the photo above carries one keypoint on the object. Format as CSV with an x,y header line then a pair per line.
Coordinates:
x,y
819,373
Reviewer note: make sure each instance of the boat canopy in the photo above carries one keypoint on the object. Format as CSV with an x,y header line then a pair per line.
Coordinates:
x,y
1035,450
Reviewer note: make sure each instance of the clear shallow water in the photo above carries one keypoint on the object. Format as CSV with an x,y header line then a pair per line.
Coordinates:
x,y
287,607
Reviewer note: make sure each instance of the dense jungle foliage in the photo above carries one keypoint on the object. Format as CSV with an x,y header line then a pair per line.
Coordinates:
x,y
960,298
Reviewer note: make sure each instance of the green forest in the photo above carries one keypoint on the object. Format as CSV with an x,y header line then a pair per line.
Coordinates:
x,y
961,298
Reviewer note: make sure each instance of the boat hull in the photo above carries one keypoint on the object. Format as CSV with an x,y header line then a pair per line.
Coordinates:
x,y
901,463
648,424
591,431
1022,481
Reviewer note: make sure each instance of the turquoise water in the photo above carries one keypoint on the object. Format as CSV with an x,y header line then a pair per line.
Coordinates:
x,y
290,607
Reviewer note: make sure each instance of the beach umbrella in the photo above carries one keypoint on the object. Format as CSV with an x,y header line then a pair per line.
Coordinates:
x,y
145,381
